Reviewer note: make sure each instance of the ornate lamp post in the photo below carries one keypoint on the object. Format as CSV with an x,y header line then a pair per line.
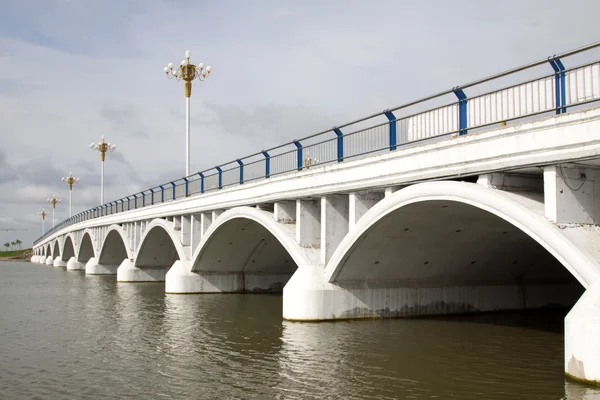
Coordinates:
x,y
43,214
188,72
102,147
54,201
70,180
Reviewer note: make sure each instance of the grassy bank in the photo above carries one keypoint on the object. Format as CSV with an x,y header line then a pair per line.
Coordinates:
x,y
15,255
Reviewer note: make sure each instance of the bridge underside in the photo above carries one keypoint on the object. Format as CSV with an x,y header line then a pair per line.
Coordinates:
x,y
434,258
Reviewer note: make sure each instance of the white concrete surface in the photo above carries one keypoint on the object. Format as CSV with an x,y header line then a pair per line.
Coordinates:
x,y
58,262
571,194
49,260
582,337
74,265
93,268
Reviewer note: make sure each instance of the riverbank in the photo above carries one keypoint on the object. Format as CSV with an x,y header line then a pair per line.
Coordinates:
x,y
15,255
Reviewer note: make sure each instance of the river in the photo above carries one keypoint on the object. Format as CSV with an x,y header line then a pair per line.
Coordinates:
x,y
68,335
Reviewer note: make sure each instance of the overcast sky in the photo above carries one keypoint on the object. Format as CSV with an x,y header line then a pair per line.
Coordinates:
x,y
73,70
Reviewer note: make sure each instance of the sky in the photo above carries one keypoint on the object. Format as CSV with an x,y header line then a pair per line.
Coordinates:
x,y
73,70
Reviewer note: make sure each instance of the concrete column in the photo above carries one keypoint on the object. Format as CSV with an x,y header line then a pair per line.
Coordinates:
x,y
359,204
186,234
572,195
74,265
582,337
205,222
93,268
334,224
195,231
308,223
391,189
215,214
285,212
58,262
49,260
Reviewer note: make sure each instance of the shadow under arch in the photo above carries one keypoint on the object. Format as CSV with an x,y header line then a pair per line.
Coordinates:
x,y
435,229
86,247
68,249
159,249
48,251
56,249
114,248
250,243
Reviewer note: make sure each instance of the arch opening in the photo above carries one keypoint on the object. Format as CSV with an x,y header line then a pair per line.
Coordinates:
x,y
451,257
48,252
68,249
113,249
157,253
86,249
246,248
56,252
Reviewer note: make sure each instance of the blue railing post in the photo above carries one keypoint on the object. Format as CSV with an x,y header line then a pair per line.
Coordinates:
x,y
187,187
143,199
201,182
220,177
299,154
241,164
462,110
559,84
128,203
392,118
340,144
173,184
162,194
152,196
122,205
134,201
267,163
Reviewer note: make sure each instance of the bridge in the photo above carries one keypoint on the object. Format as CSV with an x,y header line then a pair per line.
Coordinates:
x,y
455,203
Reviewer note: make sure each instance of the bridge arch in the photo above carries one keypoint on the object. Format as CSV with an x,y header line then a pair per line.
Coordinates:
x,y
249,241
465,225
159,247
114,247
56,249
86,249
48,250
68,248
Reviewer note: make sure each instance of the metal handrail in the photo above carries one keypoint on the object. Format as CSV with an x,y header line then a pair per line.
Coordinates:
x,y
454,116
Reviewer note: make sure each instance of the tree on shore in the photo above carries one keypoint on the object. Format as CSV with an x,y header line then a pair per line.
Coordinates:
x,y
7,245
18,243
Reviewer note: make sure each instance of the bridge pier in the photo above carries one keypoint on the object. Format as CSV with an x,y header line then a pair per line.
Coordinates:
x,y
93,268
181,280
127,272
308,296
49,260
74,265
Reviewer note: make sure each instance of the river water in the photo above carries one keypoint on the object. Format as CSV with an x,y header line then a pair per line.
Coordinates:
x,y
68,335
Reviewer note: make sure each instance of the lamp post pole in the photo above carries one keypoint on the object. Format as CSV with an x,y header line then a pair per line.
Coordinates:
x,y
102,147
43,214
54,201
70,180
188,72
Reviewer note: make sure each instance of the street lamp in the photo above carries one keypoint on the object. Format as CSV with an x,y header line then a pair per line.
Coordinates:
x,y
188,72
102,147
43,214
70,180
54,201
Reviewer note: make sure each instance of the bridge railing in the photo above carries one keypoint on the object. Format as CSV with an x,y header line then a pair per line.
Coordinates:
x,y
390,130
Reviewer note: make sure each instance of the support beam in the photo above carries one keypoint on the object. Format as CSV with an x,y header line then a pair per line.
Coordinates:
x,y
206,219
569,195
334,224
359,204
285,212
308,223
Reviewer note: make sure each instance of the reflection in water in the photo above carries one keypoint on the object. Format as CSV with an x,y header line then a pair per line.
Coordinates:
x,y
65,335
